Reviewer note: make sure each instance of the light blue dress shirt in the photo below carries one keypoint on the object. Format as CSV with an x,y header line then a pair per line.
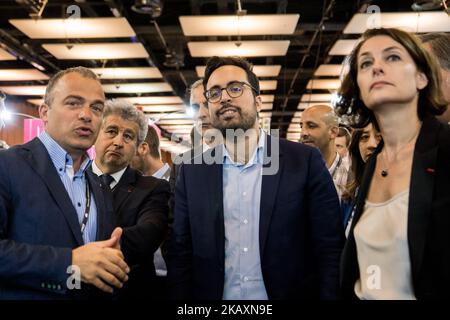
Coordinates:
x,y
74,182
241,203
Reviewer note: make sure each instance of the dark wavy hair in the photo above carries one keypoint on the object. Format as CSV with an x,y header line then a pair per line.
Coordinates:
x,y
215,62
431,101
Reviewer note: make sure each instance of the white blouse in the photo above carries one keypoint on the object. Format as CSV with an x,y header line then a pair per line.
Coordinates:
x,y
383,253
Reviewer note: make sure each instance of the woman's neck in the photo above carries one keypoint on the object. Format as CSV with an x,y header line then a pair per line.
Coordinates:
x,y
399,124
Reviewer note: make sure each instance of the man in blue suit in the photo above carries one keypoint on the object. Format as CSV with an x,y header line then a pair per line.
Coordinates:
x,y
56,223
262,221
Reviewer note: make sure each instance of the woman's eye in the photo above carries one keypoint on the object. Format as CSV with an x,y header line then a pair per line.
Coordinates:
x,y
364,64
393,57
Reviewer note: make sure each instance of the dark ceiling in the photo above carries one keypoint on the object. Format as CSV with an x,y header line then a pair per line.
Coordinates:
x,y
320,25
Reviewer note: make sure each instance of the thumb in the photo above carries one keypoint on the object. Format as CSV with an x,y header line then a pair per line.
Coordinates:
x,y
114,241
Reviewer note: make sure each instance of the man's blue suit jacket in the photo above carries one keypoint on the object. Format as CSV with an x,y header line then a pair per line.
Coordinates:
x,y
39,226
300,230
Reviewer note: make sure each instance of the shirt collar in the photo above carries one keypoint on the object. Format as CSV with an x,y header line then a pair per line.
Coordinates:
x,y
335,162
61,158
161,171
116,175
257,156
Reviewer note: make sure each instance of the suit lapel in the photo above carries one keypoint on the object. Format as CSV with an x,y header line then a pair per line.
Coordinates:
x,y
269,189
39,159
123,188
105,219
421,192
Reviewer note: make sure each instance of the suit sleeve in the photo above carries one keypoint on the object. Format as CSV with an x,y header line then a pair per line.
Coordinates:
x,y
326,228
179,264
24,265
146,235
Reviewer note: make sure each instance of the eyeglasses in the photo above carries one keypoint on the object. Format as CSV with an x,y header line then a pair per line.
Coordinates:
x,y
234,89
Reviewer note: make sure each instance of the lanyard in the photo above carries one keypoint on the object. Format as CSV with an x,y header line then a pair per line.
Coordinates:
x,y
87,209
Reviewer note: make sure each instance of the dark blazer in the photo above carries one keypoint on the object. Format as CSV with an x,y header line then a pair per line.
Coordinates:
x,y
300,231
39,226
141,209
428,216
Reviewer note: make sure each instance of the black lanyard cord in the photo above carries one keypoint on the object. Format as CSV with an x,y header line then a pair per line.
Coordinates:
x,y
87,209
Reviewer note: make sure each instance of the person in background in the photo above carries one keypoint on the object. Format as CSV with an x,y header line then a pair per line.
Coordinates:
x,y
342,143
55,220
319,125
140,202
363,143
397,247
439,45
148,157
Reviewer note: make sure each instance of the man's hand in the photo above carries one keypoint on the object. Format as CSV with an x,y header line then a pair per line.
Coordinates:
x,y
102,263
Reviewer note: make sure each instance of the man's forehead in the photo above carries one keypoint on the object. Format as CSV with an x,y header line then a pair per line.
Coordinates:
x,y
225,74
121,123
197,95
86,87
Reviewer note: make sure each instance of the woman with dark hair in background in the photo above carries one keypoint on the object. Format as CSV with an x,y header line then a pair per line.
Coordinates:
x,y
363,143
398,242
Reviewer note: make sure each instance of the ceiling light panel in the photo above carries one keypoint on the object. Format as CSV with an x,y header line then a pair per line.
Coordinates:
x,y
21,75
328,84
418,22
163,108
24,90
328,70
260,71
227,25
74,28
96,51
245,49
153,100
267,98
268,84
128,73
36,102
5,55
137,87
314,97
343,47
267,106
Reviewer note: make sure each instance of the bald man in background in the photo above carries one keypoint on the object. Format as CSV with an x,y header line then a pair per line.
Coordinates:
x,y
320,127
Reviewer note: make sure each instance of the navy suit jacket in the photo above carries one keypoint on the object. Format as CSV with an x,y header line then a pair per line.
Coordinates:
x,y
141,209
300,231
39,226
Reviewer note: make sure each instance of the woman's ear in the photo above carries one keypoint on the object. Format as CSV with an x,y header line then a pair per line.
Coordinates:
x,y
421,80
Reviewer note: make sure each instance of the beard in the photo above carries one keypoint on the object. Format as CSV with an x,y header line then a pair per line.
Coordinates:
x,y
244,120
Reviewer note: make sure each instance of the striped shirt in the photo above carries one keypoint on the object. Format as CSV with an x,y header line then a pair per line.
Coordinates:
x,y
74,183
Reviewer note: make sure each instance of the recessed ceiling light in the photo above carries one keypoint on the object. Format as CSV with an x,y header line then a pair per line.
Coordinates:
x,y
74,28
128,73
96,51
225,25
21,75
137,87
264,48
260,71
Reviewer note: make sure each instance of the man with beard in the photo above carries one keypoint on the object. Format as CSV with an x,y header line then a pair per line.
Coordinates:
x,y
320,127
140,202
241,231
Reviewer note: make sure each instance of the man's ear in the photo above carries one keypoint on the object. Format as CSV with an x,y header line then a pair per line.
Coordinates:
x,y
258,103
143,149
43,112
334,132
